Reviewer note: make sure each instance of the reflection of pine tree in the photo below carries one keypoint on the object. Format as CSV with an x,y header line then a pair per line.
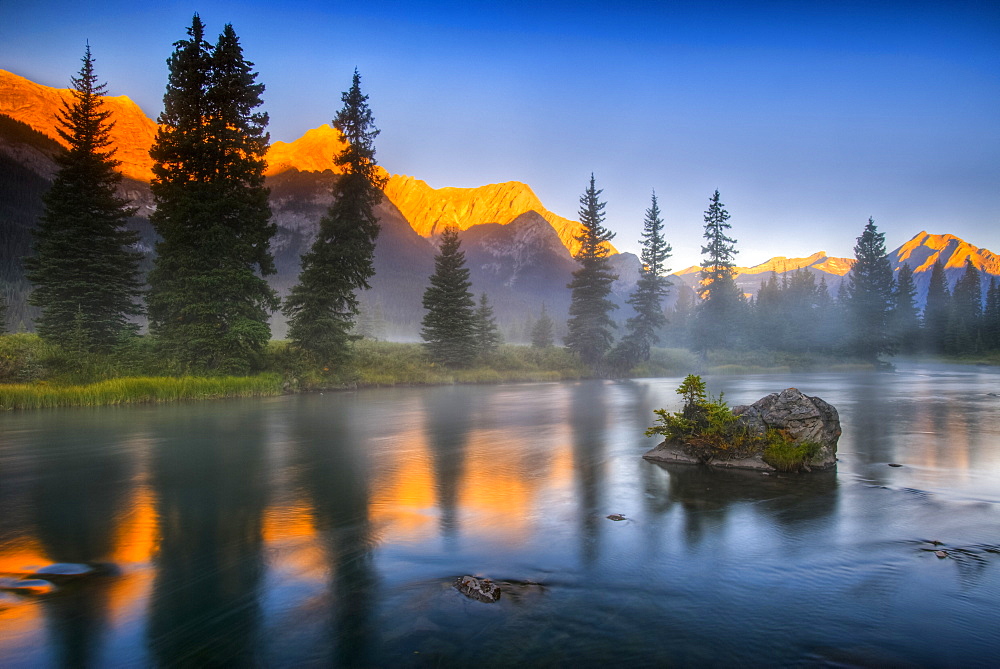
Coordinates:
x,y
84,272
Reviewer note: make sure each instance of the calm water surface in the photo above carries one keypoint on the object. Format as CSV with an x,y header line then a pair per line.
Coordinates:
x,y
327,530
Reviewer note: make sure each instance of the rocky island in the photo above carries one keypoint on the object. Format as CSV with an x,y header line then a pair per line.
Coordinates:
x,y
786,431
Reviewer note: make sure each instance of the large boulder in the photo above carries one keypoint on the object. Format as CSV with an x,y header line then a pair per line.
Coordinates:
x,y
802,417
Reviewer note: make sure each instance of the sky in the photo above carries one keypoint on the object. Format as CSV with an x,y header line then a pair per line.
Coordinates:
x,y
808,117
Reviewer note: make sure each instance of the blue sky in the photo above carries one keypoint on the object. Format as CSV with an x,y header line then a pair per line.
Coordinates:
x,y
808,117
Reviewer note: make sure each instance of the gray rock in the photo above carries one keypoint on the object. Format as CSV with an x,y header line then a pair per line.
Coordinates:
x,y
802,417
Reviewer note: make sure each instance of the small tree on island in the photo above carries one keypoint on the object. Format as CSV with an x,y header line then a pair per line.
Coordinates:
x,y
869,297
449,326
323,305
589,323
487,334
84,269
647,298
541,332
721,308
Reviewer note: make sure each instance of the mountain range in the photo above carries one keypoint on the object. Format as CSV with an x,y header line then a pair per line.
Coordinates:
x,y
518,252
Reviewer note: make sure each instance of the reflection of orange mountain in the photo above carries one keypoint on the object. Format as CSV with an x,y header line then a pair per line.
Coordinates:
x,y
427,209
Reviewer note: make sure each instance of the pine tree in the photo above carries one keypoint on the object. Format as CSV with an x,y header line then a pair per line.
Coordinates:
x,y
209,303
721,309
84,271
967,309
905,320
589,324
650,291
991,316
869,297
449,326
936,310
541,332
3,313
323,305
487,334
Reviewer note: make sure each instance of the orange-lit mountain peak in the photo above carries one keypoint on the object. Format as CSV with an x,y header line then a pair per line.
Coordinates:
x,y
36,105
312,152
430,210
924,249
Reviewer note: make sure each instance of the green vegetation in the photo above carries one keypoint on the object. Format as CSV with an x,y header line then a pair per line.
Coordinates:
x,y
83,269
208,300
136,390
707,429
589,323
648,295
323,305
449,326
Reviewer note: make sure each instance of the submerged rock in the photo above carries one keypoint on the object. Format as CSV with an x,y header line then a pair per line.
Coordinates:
x,y
616,516
801,417
480,589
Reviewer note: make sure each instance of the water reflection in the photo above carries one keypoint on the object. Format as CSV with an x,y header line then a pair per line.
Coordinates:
x,y
449,417
78,496
333,460
209,482
588,416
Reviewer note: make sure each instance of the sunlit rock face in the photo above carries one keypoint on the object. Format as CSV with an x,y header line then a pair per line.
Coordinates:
x,y
431,210
37,105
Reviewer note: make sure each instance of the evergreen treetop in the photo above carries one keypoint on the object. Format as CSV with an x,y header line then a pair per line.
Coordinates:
x,y
541,332
937,309
487,335
719,264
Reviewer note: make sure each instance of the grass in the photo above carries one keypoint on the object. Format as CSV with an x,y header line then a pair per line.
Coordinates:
x,y
136,390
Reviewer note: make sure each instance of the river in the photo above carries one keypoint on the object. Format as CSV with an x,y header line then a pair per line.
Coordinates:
x,y
328,530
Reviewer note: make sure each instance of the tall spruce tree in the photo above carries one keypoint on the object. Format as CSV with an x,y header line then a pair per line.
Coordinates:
x,y
541,332
322,307
3,313
209,303
650,291
869,297
449,326
937,309
589,323
721,310
84,270
905,319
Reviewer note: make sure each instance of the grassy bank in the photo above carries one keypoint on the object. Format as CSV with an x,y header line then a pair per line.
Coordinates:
x,y
34,374
135,390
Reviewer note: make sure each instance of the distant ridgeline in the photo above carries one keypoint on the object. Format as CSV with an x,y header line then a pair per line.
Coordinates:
x,y
518,251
